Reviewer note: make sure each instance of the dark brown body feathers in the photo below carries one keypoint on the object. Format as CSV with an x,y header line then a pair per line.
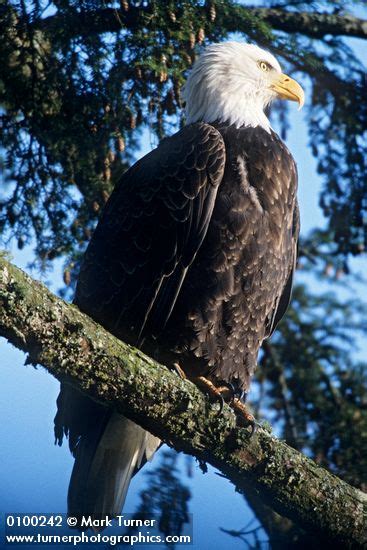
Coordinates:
x,y
193,253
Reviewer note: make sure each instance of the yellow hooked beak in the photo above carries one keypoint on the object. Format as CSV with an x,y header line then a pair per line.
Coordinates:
x,y
287,88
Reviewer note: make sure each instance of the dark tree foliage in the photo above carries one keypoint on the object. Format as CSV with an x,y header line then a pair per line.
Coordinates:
x,y
317,390
80,81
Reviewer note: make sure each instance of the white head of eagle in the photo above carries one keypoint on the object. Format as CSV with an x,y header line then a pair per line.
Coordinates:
x,y
234,82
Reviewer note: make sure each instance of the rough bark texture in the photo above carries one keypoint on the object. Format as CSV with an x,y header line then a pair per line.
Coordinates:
x,y
313,24
74,348
316,25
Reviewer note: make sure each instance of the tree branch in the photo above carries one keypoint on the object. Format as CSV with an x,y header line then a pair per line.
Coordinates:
x,y
75,349
87,23
315,25
236,18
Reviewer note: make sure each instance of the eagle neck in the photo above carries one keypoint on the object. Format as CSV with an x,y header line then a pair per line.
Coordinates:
x,y
241,119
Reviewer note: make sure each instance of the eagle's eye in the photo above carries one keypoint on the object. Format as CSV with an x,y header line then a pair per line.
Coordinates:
x,y
264,66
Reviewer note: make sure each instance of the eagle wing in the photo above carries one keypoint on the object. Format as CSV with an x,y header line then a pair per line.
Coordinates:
x,y
285,297
150,232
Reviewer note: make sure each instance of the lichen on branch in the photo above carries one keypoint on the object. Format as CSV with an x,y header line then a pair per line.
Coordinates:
x,y
75,349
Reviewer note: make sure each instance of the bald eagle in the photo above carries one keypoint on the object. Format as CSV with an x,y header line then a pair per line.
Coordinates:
x,y
192,259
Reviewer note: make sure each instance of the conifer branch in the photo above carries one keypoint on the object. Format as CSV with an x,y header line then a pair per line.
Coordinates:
x,y
75,349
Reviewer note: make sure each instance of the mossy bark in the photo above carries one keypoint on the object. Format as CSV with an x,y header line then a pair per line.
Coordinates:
x,y
75,349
